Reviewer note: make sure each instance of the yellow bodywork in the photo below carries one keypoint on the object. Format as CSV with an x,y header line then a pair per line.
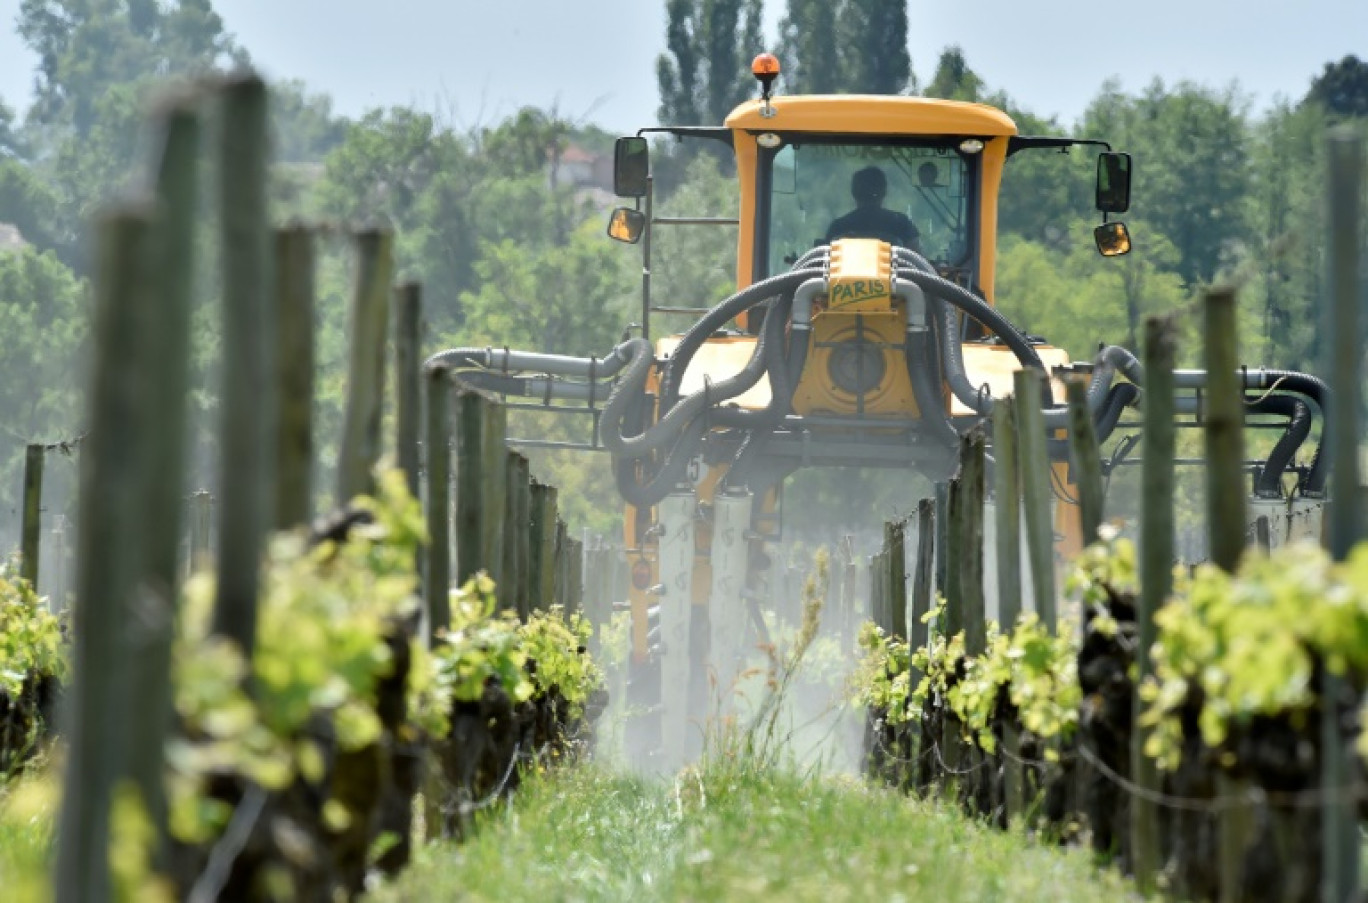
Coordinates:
x,y
861,277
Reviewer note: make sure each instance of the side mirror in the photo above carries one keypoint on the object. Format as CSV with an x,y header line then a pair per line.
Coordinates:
x,y
626,225
631,167
1113,182
1113,239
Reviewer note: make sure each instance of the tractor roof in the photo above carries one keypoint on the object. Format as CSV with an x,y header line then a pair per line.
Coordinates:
x,y
872,114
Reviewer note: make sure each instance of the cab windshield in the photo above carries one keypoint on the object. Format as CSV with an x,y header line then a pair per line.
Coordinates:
x,y
915,195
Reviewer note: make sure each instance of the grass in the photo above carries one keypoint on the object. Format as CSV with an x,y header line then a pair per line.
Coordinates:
x,y
587,834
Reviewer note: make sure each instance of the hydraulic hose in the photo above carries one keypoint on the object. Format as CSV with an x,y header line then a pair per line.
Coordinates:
x,y
978,309
671,473
1105,417
919,354
1309,387
783,369
1108,414
718,317
1268,481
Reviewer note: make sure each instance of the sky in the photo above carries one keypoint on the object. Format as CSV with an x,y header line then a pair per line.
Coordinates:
x,y
475,61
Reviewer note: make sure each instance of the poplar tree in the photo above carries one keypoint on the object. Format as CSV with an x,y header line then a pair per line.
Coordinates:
x,y
873,45
705,70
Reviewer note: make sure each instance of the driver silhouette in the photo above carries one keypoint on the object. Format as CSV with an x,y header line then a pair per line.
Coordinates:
x,y
870,219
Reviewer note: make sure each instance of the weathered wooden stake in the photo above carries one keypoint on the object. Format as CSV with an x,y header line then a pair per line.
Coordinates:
x,y
942,520
475,418
294,302
247,430
1156,579
408,301
1007,495
165,348
496,491
551,527
1344,193
1226,520
201,531
539,563
953,621
360,447
519,540
1033,467
110,558
895,546
878,597
34,456
970,540
922,574
1224,431
1087,460
437,580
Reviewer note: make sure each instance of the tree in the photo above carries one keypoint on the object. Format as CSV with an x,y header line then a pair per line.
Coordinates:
x,y
43,316
86,46
1284,256
304,127
704,73
97,62
807,44
954,80
1342,89
873,42
845,47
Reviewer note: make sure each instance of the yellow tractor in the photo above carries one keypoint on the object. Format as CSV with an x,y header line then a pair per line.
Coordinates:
x,y
862,334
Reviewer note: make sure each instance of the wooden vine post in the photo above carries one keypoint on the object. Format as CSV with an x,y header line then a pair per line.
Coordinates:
x,y
895,548
878,598
33,508
201,530
408,302
294,310
953,621
1087,460
970,541
1007,496
942,501
108,558
437,579
1344,191
1034,469
247,427
165,348
541,511
1226,519
476,417
360,447
922,573
518,539
1156,581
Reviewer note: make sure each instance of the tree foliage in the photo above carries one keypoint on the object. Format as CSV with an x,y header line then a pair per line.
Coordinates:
x,y
1342,88
845,47
953,79
705,70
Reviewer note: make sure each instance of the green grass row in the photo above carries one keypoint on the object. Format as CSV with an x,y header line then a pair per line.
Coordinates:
x,y
587,834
